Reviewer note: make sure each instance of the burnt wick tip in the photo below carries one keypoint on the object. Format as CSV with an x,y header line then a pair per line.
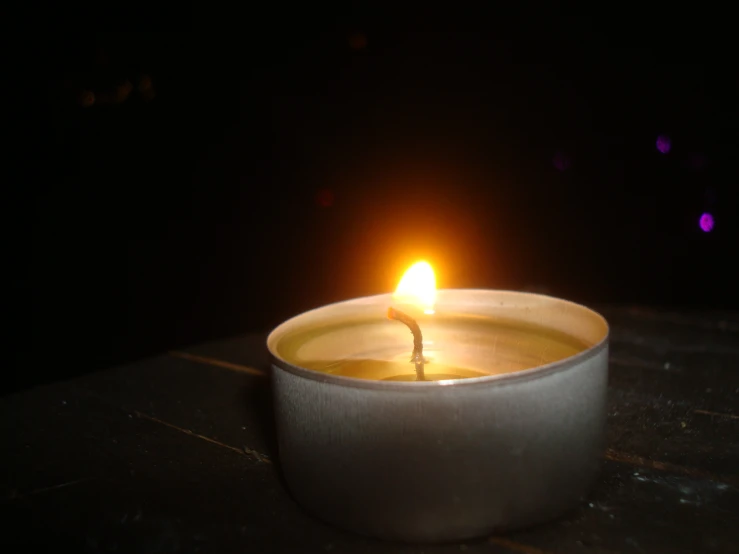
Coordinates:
x,y
417,356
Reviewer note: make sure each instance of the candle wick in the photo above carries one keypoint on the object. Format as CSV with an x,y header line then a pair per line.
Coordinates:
x,y
417,356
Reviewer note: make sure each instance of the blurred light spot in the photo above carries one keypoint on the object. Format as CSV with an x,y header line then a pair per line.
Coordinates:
x,y
122,92
86,98
561,161
706,222
325,198
358,41
696,160
101,58
148,95
664,144
144,83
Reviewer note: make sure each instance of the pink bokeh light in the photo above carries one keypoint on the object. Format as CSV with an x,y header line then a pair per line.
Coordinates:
x,y
706,222
561,161
664,144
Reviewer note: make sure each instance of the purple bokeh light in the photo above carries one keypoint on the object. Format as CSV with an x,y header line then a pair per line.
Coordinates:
x,y
706,222
561,161
664,144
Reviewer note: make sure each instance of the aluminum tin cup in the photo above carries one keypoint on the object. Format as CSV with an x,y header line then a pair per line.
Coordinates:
x,y
442,461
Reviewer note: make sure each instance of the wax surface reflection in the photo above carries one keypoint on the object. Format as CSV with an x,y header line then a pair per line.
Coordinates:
x,y
455,347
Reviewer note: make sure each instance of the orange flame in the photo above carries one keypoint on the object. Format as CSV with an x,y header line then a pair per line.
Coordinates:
x,y
418,287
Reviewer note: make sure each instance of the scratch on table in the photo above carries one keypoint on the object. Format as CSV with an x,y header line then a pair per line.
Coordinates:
x,y
218,363
665,347
47,489
723,323
243,451
717,414
640,461
638,363
517,546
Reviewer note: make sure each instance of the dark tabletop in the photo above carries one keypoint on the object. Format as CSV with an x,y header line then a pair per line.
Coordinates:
x,y
177,454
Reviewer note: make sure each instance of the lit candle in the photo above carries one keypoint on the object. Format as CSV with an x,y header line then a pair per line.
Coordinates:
x,y
501,426
466,334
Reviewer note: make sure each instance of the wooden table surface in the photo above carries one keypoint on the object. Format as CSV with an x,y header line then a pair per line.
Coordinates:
x,y
177,454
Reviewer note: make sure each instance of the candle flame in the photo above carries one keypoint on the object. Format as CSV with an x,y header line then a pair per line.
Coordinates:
x,y
418,287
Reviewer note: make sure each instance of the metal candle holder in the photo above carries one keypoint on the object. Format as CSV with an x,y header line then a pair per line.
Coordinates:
x,y
434,461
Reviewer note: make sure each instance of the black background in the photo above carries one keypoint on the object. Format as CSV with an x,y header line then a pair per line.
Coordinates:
x,y
273,168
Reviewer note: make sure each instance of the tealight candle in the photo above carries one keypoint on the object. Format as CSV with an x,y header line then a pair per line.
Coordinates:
x,y
458,342
490,415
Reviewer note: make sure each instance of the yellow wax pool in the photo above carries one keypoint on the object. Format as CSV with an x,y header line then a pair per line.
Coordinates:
x,y
455,346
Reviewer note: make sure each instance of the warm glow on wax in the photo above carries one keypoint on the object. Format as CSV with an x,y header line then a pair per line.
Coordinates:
x,y
418,287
